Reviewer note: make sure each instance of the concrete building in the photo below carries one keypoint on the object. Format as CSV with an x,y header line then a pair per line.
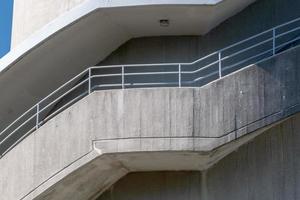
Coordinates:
x,y
151,99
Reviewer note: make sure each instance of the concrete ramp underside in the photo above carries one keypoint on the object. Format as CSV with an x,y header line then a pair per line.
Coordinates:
x,y
266,168
88,147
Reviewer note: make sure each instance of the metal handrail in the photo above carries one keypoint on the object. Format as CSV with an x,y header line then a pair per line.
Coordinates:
x,y
216,62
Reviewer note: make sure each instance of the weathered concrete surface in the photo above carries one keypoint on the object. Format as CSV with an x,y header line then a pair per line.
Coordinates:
x,y
53,62
118,131
266,168
77,180
157,186
42,12
29,16
191,47
46,67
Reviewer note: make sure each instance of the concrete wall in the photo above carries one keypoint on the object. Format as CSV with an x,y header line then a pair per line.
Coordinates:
x,y
259,16
268,13
50,75
267,168
90,138
30,16
156,186
43,12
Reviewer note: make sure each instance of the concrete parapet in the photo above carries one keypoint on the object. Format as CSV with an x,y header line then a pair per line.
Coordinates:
x,y
89,146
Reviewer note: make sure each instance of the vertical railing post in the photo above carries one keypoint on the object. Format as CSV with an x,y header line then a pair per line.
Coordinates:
x,y
123,78
37,116
220,64
274,41
179,75
90,81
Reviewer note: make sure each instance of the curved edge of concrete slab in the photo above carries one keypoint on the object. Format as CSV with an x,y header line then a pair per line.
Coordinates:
x,y
83,10
109,164
150,129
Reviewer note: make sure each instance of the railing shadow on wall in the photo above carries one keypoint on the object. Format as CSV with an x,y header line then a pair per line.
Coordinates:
x,y
195,74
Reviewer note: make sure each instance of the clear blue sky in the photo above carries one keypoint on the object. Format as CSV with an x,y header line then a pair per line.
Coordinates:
x,y
6,9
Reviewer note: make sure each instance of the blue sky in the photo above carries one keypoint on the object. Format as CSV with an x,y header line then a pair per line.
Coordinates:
x,y
6,9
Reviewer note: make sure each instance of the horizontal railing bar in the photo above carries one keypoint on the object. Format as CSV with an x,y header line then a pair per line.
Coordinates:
x,y
203,77
229,56
250,38
85,71
11,124
133,74
200,69
111,85
106,75
286,43
247,49
162,83
287,23
245,60
264,32
225,68
43,100
63,95
19,140
228,67
135,65
149,73
61,108
133,84
32,117
285,33
200,59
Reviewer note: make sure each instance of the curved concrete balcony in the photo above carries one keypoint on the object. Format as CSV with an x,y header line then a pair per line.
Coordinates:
x,y
195,74
86,148
90,32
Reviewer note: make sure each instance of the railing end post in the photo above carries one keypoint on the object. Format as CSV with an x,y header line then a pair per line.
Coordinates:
x,y
274,40
123,78
90,82
37,116
179,75
220,63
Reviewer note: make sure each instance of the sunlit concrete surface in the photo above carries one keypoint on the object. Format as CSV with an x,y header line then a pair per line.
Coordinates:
x,y
205,13
234,138
111,133
48,58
